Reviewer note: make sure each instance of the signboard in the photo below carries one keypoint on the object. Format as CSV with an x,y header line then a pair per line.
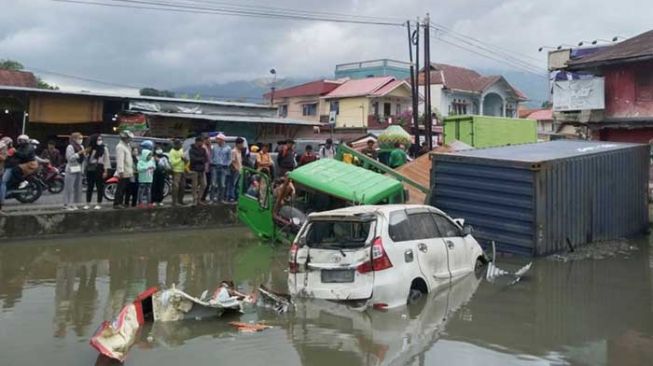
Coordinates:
x,y
132,122
575,95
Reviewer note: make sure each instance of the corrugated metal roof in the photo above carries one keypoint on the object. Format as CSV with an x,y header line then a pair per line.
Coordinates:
x,y
133,97
233,118
360,87
389,87
542,115
313,88
460,78
544,151
17,78
346,181
636,48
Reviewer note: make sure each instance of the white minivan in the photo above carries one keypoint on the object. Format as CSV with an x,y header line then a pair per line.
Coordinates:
x,y
383,256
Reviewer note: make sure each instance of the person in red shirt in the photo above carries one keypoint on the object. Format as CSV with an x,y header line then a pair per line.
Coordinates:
x,y
308,156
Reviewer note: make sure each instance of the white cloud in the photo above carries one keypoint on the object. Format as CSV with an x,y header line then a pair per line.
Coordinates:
x,y
141,47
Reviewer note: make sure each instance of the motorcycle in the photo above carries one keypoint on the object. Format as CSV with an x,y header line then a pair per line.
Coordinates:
x,y
49,178
28,193
111,186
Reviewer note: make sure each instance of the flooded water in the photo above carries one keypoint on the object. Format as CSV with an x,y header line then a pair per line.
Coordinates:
x,y
54,294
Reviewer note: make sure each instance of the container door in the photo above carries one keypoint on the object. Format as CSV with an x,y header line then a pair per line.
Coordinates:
x,y
458,250
255,202
332,262
466,131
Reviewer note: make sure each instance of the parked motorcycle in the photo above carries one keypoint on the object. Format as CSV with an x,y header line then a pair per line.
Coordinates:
x,y
111,186
29,193
49,178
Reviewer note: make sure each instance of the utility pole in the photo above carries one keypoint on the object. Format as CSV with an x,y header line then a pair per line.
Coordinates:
x,y
414,75
273,87
428,121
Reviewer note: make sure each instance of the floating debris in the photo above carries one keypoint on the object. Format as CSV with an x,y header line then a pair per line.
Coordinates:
x,y
596,251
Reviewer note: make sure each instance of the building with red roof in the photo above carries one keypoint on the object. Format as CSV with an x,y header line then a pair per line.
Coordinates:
x,y
303,101
18,78
372,102
457,90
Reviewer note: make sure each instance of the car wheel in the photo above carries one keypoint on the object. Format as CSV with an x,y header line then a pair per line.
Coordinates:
x,y
478,266
414,295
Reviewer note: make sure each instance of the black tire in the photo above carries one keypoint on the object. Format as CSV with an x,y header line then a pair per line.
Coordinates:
x,y
110,191
56,186
413,296
167,188
33,192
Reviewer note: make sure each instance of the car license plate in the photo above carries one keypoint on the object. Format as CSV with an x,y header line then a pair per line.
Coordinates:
x,y
337,276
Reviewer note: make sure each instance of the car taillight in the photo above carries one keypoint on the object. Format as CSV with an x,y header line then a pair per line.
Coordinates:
x,y
293,267
380,259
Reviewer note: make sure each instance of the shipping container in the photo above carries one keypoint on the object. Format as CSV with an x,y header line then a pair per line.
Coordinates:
x,y
537,199
485,131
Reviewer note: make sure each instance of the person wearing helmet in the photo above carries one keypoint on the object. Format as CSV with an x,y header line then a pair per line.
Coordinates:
x,y
75,157
19,164
124,167
5,145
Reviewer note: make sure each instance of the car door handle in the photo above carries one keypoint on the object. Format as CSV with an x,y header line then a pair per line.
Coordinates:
x,y
408,256
450,244
422,247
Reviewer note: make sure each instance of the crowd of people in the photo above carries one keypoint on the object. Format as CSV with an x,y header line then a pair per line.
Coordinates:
x,y
142,172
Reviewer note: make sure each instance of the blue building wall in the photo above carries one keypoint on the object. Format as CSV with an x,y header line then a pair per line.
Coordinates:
x,y
375,68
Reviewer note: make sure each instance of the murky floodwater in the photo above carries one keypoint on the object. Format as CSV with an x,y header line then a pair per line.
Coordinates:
x,y
54,294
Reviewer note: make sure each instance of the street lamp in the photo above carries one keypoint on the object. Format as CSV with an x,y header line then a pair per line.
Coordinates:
x,y
581,43
614,39
545,47
25,115
272,88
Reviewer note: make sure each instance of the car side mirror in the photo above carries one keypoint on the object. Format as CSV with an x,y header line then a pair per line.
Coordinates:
x,y
468,230
460,222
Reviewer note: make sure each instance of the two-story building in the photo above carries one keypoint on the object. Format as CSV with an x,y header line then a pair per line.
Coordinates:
x,y
607,92
373,102
370,103
457,90
304,102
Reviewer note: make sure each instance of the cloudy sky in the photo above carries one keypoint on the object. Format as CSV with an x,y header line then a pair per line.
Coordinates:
x,y
139,47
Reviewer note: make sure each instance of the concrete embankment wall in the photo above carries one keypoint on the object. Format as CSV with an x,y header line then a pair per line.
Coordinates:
x,y
79,223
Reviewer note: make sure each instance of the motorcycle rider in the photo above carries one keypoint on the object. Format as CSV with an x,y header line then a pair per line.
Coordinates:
x,y
21,164
5,145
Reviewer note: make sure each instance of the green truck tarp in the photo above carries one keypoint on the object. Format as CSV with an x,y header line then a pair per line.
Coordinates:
x,y
486,131
347,181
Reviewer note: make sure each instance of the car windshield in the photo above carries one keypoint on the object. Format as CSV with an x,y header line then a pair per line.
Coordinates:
x,y
338,234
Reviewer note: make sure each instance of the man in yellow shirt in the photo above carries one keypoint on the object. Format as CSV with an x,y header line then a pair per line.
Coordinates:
x,y
178,163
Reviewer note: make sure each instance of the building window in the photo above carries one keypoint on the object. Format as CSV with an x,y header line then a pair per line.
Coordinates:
x,y
283,110
375,108
644,85
458,107
309,109
334,106
387,109
510,110
398,111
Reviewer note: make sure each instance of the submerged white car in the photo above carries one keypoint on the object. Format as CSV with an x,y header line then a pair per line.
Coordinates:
x,y
382,256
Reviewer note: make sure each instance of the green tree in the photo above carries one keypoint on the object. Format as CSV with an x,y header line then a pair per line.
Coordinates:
x,y
13,65
152,92
7,64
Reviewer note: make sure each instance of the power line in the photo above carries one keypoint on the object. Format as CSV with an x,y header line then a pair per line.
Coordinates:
x,y
507,51
506,57
493,56
185,8
102,82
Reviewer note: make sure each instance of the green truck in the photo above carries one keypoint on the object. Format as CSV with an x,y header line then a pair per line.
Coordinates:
x,y
325,184
485,131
